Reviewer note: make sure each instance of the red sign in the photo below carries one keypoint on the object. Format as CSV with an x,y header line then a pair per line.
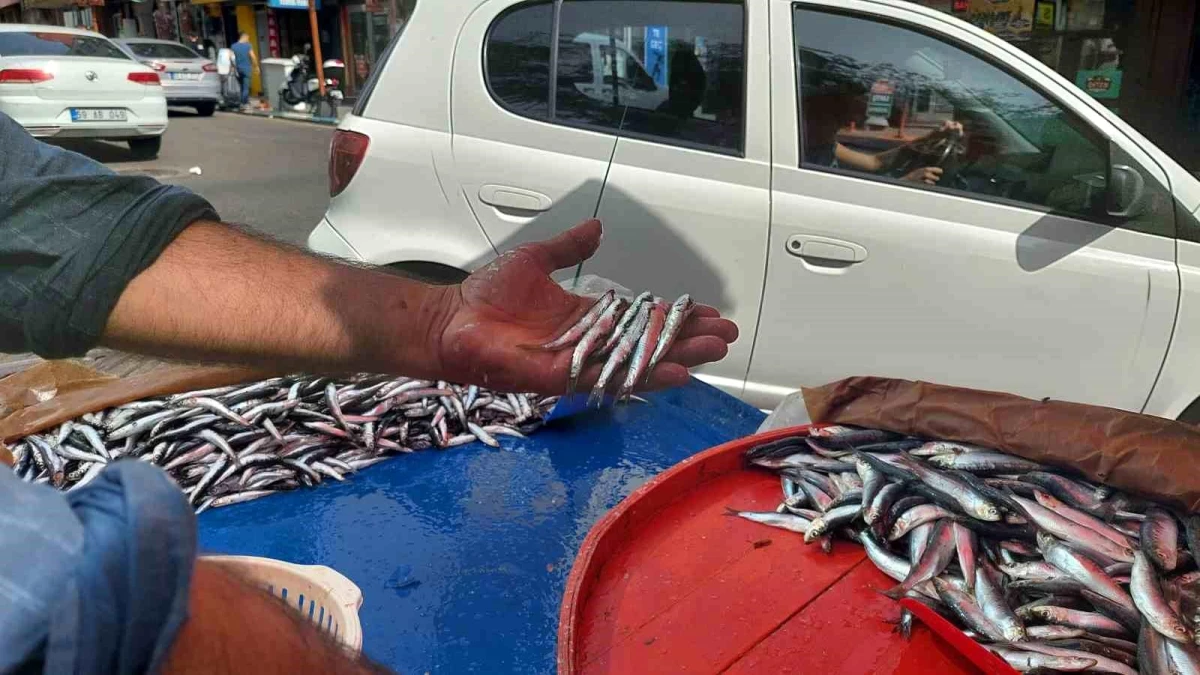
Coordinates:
x,y
272,34
959,6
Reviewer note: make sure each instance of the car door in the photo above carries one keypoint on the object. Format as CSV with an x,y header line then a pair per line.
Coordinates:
x,y
687,199
1041,263
527,172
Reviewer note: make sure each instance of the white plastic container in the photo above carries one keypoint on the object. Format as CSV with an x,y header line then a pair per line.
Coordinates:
x,y
319,593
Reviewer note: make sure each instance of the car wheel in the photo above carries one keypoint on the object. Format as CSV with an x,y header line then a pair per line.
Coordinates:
x,y
430,273
145,148
206,109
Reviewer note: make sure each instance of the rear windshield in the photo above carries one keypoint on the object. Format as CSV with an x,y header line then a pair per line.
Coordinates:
x,y
57,44
159,50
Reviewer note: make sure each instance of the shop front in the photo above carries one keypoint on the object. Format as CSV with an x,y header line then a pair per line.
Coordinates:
x,y
1135,57
371,26
10,11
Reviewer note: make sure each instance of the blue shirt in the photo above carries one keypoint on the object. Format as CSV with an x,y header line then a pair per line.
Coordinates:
x,y
241,56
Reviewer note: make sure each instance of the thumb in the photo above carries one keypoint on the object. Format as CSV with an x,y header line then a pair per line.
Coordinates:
x,y
567,249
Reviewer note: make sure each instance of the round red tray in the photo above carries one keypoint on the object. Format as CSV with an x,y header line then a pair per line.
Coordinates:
x,y
667,582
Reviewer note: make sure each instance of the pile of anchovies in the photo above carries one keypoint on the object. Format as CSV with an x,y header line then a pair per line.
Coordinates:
x,y
639,332
1048,570
233,444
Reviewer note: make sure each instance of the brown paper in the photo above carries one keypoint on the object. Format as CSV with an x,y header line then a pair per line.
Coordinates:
x,y
91,394
1145,455
44,381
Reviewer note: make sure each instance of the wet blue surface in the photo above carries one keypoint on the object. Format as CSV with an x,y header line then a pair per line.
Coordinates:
x,y
462,555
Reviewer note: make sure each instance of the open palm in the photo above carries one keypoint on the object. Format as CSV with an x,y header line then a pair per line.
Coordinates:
x,y
512,303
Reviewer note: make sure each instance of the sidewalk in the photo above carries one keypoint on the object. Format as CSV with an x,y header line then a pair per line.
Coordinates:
x,y
343,110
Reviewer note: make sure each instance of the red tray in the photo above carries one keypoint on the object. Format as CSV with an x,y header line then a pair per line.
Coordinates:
x,y
666,582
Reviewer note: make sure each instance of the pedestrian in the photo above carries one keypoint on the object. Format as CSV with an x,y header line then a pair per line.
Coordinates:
x,y
105,579
246,61
231,88
195,44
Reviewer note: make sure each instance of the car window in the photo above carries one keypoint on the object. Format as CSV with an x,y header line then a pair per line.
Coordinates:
x,y
159,50
57,44
892,103
665,70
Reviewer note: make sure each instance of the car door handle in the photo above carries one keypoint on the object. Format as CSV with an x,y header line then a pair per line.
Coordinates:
x,y
818,250
505,197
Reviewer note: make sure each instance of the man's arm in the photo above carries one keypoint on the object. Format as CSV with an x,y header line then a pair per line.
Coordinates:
x,y
220,294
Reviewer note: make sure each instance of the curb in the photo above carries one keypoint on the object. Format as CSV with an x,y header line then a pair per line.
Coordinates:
x,y
295,117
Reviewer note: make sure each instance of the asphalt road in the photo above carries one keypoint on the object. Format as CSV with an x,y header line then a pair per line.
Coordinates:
x,y
266,173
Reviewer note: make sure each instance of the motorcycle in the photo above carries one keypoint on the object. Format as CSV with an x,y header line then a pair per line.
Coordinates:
x,y
301,92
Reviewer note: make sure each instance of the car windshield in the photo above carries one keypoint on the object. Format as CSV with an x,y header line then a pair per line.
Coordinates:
x,y
161,50
57,44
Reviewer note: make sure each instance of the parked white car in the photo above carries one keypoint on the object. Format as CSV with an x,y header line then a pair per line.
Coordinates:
x,y
70,83
1057,256
188,79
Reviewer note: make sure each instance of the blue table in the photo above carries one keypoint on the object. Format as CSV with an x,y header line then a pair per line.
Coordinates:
x,y
462,555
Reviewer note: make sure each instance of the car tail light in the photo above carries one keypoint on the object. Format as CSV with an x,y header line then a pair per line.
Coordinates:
x,y
160,67
210,68
24,76
346,154
145,78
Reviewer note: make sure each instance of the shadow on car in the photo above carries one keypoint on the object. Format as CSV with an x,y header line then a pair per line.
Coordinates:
x,y
639,264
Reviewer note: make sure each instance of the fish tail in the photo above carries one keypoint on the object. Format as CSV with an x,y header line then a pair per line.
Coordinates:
x,y
730,511
896,592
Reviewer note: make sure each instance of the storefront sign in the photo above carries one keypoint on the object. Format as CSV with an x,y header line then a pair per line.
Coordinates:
x,y
1099,83
1043,17
292,4
1006,19
273,34
879,103
655,56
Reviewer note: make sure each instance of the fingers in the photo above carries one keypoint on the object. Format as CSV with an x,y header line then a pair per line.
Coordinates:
x,y
932,174
698,325
697,351
567,249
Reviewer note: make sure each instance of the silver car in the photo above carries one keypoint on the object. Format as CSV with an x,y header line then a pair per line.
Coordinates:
x,y
188,79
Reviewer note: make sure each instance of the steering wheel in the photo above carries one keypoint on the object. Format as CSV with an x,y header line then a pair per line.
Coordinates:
x,y
942,151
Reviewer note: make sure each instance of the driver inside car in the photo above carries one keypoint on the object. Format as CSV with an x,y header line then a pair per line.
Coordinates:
x,y
825,112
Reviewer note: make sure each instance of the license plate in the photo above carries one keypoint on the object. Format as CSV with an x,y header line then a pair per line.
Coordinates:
x,y
183,76
99,114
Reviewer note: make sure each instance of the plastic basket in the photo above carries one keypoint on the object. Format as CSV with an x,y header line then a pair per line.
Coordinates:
x,y
320,593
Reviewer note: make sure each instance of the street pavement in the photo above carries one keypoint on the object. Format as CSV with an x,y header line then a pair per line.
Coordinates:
x,y
269,174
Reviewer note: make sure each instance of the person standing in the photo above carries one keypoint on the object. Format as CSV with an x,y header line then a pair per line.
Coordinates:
x,y
245,60
231,91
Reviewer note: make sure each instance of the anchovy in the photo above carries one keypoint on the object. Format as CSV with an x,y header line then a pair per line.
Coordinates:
x,y
1069,530
884,498
1083,570
915,516
967,610
967,497
1082,518
1024,661
1149,600
995,607
1090,621
785,521
626,318
590,341
832,519
937,555
620,354
965,545
1160,539
576,330
985,463
639,363
1103,664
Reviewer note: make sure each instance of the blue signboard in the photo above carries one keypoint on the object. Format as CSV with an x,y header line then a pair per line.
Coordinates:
x,y
292,4
656,54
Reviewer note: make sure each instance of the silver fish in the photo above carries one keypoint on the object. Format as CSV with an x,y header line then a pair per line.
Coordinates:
x,y
1159,539
1149,600
620,354
639,363
576,330
785,521
590,341
626,318
676,318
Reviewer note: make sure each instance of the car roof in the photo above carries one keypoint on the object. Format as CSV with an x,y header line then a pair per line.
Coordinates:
x,y
38,28
149,41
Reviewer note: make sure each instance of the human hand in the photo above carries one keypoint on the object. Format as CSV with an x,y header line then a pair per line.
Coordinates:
x,y
497,312
926,174
951,127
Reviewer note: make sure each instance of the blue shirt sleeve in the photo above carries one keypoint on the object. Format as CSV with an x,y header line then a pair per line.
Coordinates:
x,y
96,580
73,234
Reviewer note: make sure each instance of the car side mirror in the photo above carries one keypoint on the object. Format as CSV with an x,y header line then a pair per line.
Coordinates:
x,y
1126,191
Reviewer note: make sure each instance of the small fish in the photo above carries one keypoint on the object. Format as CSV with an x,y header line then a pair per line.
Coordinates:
x,y
785,521
1090,621
1159,539
576,330
939,551
967,610
626,318
620,354
639,363
591,340
676,318
915,516
1148,598
1025,661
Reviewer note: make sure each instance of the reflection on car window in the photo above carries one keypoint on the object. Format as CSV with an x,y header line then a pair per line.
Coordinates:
x,y
57,44
159,50
670,70
517,57
894,103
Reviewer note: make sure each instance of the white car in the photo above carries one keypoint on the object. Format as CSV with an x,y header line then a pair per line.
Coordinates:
x,y
188,79
780,179
69,83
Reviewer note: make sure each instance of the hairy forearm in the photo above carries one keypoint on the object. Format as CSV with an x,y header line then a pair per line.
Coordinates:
x,y
234,627
220,294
